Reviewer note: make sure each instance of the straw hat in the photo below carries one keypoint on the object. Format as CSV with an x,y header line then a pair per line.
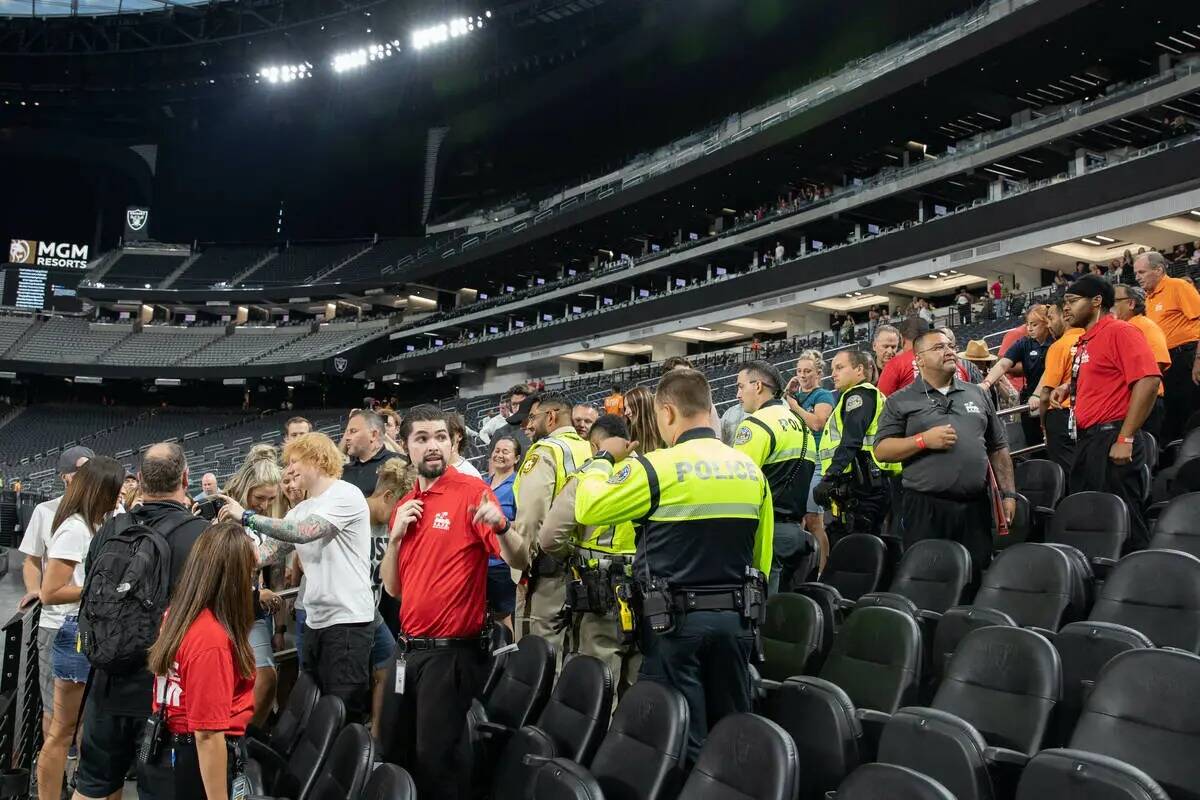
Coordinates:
x,y
977,350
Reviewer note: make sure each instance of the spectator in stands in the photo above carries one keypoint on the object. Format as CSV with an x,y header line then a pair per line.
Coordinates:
x,y
848,329
294,428
204,665
779,252
130,484
438,546
639,412
963,302
1056,415
884,345
583,416
1061,281
950,441
1195,257
904,368
813,403
458,438
615,402
509,403
1174,304
208,487
1114,381
1026,358
1080,270
997,291
924,310
1129,305
34,544
364,445
331,530
1113,273
90,497
117,705
501,594
256,486
391,424
978,357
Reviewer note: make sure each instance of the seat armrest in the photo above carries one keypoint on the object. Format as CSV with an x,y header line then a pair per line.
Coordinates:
x,y
1004,755
872,717
489,730
531,760
1044,511
264,753
1107,563
925,615
1049,634
768,685
845,604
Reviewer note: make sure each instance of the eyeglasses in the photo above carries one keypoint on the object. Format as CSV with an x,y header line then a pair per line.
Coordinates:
x,y
944,347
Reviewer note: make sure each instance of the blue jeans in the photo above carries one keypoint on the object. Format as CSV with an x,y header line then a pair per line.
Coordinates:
x,y
67,662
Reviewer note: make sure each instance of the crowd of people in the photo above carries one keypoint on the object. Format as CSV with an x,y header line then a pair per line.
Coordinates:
x,y
647,534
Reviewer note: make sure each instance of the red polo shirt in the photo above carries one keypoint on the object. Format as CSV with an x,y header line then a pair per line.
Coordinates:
x,y
1113,356
902,370
443,559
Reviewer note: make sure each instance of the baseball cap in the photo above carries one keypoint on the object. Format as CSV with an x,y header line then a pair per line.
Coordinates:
x,y
1090,286
68,458
522,413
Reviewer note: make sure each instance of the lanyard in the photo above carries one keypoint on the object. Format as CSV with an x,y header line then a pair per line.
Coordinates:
x,y
1080,353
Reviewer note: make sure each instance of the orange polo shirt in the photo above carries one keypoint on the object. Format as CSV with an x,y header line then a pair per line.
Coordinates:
x,y
1156,340
1058,361
1175,306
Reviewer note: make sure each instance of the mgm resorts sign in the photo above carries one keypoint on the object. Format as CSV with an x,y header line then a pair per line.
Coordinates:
x,y
48,254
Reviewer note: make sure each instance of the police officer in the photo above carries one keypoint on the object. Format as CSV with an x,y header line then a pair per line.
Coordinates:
x,y
849,466
599,574
785,450
557,451
947,434
703,549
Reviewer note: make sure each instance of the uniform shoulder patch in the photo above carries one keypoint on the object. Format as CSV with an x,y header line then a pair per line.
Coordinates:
x,y
744,434
854,401
530,462
621,475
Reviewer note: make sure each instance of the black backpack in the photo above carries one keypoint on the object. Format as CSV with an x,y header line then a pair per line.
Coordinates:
x,y
125,593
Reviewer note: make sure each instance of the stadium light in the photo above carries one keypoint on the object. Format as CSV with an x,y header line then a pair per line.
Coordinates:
x,y
286,73
356,59
431,35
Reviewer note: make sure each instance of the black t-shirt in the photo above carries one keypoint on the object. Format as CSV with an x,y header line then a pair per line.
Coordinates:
x,y
128,694
1031,355
365,474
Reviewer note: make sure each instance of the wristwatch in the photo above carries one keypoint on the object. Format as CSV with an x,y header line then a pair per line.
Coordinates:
x,y
1009,495
246,516
505,529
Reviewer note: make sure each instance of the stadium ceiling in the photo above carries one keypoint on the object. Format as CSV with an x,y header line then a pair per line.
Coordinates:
x,y
75,8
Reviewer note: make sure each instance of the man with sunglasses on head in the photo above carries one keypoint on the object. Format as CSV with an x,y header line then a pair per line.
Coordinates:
x,y
950,440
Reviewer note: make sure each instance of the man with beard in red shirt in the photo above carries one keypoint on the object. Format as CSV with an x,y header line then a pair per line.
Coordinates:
x,y
440,538
901,369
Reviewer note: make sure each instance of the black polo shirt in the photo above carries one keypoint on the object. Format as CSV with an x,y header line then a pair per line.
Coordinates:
x,y
961,471
365,474
1031,355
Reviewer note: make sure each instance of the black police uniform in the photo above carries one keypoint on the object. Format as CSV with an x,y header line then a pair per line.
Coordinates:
x,y
869,487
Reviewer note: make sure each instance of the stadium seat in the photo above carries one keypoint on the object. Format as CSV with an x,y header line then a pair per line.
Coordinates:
x,y
1143,712
992,709
745,756
1157,593
570,726
1044,484
303,766
1084,648
932,575
272,749
1095,523
953,627
831,605
502,637
389,782
873,667
1074,773
889,782
792,636
1083,580
347,767
561,779
856,565
1178,525
641,757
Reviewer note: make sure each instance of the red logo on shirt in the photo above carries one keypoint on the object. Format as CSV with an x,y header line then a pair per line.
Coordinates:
x,y
441,522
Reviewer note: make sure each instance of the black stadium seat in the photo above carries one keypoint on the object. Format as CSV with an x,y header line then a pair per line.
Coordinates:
x,y
641,757
792,635
1157,593
993,707
890,782
856,565
300,772
561,779
1178,526
1095,523
389,782
1143,712
745,756
932,575
347,767
1069,774
1043,483
1085,647
272,750
953,627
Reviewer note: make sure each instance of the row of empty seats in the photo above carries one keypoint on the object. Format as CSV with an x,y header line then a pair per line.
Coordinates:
x,y
219,264
140,269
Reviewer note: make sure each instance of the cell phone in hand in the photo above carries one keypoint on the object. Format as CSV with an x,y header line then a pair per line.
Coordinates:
x,y
209,508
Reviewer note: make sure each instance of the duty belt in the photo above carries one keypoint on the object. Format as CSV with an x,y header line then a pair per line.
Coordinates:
x,y
602,558
722,599
414,644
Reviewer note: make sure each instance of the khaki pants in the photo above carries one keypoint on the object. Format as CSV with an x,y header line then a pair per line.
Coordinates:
x,y
535,615
599,636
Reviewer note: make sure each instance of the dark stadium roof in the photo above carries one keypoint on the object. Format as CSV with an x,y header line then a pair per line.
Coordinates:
x,y
73,8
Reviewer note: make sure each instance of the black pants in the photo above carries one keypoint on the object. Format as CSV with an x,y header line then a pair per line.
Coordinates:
x,y
1182,395
964,314
966,521
108,748
1031,426
1060,447
1094,472
421,728
707,658
185,769
1154,421
339,659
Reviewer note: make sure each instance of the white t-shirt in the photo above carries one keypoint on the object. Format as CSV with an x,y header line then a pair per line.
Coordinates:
x,y
34,543
467,468
70,543
337,571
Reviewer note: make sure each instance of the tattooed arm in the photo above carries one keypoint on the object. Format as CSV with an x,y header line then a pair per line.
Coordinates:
x,y
282,535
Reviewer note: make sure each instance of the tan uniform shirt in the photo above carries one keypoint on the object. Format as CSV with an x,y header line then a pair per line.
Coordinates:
x,y
535,494
560,532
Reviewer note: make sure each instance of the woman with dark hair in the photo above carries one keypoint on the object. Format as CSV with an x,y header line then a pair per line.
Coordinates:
x,y
501,591
204,664
643,426
91,496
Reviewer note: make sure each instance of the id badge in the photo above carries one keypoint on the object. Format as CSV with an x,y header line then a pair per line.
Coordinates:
x,y
400,672
239,791
1071,429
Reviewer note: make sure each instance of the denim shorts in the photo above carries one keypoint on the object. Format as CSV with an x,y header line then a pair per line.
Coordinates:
x,y
260,640
383,648
813,508
67,662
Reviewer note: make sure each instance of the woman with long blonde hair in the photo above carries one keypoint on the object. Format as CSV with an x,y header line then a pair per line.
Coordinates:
x,y
204,664
643,425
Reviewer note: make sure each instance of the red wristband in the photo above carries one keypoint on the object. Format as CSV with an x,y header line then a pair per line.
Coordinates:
x,y
1125,439
920,441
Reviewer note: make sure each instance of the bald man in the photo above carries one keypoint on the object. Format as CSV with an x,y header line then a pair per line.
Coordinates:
x,y
208,486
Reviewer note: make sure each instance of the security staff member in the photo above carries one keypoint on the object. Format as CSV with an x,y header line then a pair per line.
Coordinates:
x,y
599,573
557,451
947,433
1174,304
785,450
848,446
1056,417
707,525
1129,305
1112,385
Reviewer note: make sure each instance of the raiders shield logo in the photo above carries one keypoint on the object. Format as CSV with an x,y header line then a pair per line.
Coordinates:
x,y
136,218
340,363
